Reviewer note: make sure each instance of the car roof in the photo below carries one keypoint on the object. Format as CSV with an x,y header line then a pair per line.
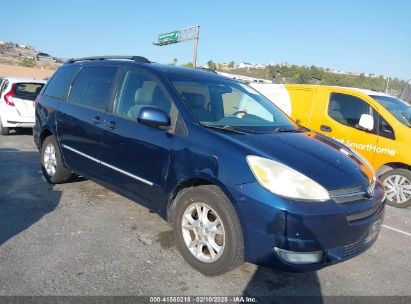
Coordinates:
x,y
363,91
24,79
370,92
151,66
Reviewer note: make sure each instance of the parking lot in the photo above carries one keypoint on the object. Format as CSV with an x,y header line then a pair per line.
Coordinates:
x,y
81,239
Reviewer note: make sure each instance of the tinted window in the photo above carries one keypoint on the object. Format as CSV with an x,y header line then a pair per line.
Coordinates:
x,y
58,85
28,91
347,109
92,87
137,91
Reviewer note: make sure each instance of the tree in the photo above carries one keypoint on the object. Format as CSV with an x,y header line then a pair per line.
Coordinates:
x,y
211,65
231,64
175,61
188,65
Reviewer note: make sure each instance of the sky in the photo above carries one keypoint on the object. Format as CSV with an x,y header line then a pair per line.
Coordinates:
x,y
351,35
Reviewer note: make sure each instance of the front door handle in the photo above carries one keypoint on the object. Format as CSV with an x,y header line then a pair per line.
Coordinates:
x,y
325,128
97,120
110,124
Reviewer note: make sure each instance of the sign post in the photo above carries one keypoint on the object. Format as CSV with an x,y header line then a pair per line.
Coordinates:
x,y
190,33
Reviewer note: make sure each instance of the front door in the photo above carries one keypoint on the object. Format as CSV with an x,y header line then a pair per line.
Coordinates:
x,y
136,157
341,122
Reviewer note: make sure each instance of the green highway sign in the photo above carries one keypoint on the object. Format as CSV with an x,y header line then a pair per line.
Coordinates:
x,y
171,36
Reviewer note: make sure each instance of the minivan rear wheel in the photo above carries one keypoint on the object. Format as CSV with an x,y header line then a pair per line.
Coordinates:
x,y
3,130
207,230
52,163
397,184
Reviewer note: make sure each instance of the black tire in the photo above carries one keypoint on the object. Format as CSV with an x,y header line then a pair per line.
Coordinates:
x,y
61,174
233,253
3,130
385,178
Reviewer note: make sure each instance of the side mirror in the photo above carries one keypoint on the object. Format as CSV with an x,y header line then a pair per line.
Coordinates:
x,y
366,122
153,117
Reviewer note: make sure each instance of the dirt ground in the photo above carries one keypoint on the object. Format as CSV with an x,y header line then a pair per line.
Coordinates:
x,y
19,71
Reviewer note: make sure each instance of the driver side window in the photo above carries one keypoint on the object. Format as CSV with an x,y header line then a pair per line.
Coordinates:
x,y
347,109
136,91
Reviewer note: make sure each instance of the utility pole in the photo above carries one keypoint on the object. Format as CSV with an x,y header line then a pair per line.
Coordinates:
x,y
190,33
386,87
196,37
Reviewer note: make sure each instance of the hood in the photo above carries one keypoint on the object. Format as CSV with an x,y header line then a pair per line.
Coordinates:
x,y
322,159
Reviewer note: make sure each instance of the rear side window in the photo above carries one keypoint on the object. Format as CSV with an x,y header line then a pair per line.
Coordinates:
x,y
92,87
347,109
58,85
27,91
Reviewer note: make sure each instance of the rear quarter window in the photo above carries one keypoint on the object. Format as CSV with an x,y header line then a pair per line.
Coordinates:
x,y
59,83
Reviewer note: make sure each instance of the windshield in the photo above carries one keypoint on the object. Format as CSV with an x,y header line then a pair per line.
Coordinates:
x,y
230,105
398,108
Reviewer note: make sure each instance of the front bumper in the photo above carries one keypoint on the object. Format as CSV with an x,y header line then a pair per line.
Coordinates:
x,y
270,221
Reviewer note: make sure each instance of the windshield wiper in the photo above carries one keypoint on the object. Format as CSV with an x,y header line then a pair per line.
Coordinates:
x,y
281,130
288,130
226,128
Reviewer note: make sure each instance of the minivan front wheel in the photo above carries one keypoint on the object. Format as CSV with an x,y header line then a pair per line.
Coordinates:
x,y
52,163
207,230
397,184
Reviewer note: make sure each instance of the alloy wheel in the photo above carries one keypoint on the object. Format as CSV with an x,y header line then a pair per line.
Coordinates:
x,y
50,159
398,188
203,232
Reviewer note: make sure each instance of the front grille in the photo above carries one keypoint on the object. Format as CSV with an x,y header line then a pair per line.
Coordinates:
x,y
347,195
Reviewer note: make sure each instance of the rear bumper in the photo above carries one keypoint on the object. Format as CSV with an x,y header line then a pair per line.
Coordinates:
x,y
270,221
20,124
10,118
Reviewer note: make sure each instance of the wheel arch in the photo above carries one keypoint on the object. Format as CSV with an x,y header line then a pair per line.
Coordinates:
x,y
190,183
390,166
44,134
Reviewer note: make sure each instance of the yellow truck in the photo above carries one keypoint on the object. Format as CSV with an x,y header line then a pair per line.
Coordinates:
x,y
376,125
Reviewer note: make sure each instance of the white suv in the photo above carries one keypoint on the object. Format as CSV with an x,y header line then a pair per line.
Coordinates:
x,y
17,96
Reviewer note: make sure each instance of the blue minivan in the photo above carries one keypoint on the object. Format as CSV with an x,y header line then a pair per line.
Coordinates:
x,y
237,185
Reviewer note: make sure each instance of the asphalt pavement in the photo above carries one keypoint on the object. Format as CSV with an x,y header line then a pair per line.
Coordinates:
x,y
81,239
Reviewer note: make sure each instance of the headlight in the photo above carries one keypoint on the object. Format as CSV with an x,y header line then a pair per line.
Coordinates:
x,y
284,181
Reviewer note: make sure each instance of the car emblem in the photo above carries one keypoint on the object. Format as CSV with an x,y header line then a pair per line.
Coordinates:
x,y
370,188
370,191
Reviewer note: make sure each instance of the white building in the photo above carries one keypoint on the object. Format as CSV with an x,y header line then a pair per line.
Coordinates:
x,y
260,66
245,65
